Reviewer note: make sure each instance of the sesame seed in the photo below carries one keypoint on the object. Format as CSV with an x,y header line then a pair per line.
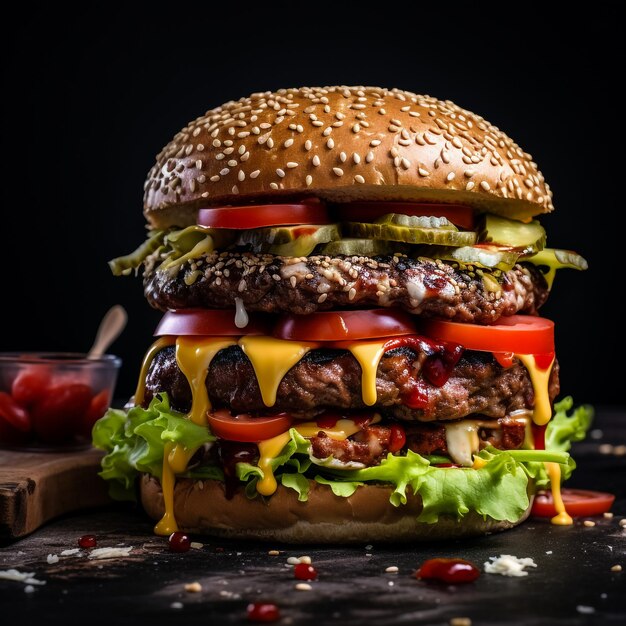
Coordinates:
x,y
342,157
224,171
484,185
622,523
214,179
317,123
232,163
406,163
322,298
292,164
469,173
280,172
352,294
305,559
338,171
369,157
308,144
392,569
217,143
451,176
356,128
616,568
308,180
241,175
375,142
270,143
327,131
608,515
588,523
423,172
316,160
330,144
193,587
470,185
255,173
288,142
303,587
293,281
273,185
359,179
356,158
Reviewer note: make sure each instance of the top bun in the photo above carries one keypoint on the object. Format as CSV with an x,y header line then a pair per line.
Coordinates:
x,y
342,144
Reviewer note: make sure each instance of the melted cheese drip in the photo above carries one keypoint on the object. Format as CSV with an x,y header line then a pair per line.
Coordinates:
x,y
175,461
539,378
241,315
157,346
271,359
194,355
463,441
561,518
368,354
271,448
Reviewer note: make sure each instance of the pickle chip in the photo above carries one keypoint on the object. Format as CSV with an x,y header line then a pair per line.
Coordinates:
x,y
527,238
288,240
391,232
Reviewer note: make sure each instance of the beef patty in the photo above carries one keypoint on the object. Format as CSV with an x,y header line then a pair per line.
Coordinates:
x,y
303,285
331,379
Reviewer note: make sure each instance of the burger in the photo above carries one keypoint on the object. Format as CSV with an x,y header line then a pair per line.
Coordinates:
x,y
350,348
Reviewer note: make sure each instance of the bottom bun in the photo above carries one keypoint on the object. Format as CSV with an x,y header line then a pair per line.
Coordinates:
x,y
366,516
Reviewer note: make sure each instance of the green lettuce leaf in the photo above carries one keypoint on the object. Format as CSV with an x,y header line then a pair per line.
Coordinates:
x,y
563,429
135,442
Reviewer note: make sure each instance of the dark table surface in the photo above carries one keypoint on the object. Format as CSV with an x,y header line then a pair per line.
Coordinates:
x,y
573,583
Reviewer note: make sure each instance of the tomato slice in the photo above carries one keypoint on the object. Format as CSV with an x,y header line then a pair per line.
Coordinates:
x,y
578,502
31,384
369,211
218,323
342,325
260,215
521,334
244,427
13,414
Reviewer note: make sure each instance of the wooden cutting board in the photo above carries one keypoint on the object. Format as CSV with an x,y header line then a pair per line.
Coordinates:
x,y
38,486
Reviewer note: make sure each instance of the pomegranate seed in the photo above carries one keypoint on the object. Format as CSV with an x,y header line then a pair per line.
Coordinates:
x,y
263,612
448,571
179,542
87,541
303,571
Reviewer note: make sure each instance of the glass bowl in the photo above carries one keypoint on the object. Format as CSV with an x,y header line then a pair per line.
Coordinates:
x,y
50,400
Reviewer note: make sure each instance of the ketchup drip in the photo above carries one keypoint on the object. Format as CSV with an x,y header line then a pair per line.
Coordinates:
x,y
231,453
451,571
539,436
441,357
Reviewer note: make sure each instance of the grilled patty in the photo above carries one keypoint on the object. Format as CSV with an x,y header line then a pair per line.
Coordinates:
x,y
331,379
274,284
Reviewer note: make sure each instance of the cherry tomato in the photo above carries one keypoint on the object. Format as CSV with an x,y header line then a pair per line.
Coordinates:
x,y
96,409
56,416
15,424
262,612
30,385
578,503
246,428
369,211
218,323
342,325
304,571
261,215
397,438
521,334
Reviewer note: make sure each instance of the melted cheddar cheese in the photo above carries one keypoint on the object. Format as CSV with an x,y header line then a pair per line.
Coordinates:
x,y
157,346
368,354
562,518
539,379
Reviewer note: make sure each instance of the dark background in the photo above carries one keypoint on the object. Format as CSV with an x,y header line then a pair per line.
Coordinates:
x,y
92,95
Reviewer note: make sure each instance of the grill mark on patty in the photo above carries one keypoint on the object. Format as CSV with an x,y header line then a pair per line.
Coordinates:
x,y
331,379
304,285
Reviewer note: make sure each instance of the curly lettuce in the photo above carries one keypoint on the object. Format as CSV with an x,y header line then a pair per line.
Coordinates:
x,y
497,487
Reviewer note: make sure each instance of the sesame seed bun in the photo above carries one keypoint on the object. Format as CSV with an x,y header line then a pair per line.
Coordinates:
x,y
366,516
342,144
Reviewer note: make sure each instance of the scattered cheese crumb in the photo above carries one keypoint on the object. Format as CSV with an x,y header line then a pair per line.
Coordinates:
x,y
70,552
392,569
548,551
305,559
29,589
52,559
274,552
508,565
303,587
368,554
109,553
619,450
390,583
229,594
608,515
293,560
585,610
616,568
622,523
588,523
176,605
460,621
596,433
196,545
21,577
369,546
605,448
193,587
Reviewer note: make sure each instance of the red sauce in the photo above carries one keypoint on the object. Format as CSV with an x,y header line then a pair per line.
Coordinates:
x,y
87,541
303,571
418,397
451,571
505,359
231,453
179,542
263,612
539,436
327,420
397,438
446,465
543,361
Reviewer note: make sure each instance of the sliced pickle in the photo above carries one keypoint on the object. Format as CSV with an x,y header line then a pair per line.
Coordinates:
x,y
415,221
392,232
527,238
480,256
361,247
125,264
550,259
298,240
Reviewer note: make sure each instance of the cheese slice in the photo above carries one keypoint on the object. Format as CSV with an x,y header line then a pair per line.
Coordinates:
x,y
539,379
271,359
194,356
156,347
368,354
